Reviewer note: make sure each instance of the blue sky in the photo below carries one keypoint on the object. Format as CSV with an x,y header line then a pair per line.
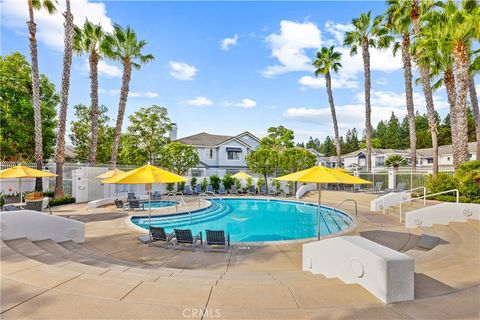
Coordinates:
x,y
226,67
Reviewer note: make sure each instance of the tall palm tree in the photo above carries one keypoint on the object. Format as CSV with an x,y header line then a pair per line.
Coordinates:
x,y
329,59
49,6
415,10
367,33
88,40
400,23
123,46
474,68
62,118
458,27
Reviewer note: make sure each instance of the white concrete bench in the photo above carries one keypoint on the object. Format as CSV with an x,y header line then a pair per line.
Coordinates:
x,y
443,213
386,273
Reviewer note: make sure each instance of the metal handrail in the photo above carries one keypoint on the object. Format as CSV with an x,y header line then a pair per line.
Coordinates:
x,y
429,195
406,200
345,200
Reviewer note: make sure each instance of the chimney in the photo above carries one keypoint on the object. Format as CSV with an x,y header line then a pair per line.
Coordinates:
x,y
172,134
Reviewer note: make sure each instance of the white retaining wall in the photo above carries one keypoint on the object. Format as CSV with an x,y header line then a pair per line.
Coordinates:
x,y
443,213
107,201
386,273
389,200
304,189
38,226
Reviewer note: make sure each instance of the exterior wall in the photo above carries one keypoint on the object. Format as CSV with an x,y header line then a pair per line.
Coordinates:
x,y
222,158
246,138
203,153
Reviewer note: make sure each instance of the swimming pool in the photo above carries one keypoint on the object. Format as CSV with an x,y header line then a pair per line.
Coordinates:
x,y
256,220
159,204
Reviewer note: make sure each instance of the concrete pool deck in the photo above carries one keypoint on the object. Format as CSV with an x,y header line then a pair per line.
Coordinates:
x,y
112,275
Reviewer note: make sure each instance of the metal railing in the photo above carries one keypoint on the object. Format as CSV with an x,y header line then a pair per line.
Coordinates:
x,y
351,200
425,196
407,200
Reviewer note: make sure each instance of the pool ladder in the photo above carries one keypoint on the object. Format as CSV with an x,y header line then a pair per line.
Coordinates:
x,y
351,200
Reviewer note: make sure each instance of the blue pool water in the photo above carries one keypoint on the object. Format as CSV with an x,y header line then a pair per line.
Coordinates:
x,y
250,220
159,204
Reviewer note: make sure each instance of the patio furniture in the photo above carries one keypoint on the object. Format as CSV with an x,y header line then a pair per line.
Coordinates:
x,y
210,188
156,195
119,204
400,188
10,207
185,236
198,189
233,190
263,190
252,191
217,238
135,204
356,188
34,196
272,191
159,234
131,196
222,190
36,205
378,187
187,191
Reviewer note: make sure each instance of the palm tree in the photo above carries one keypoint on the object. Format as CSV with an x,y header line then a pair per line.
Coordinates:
x,y
367,33
400,23
395,161
328,59
49,6
475,67
123,46
414,9
88,40
62,119
459,27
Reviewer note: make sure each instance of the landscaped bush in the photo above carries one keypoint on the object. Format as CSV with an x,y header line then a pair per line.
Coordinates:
x,y
441,182
59,201
204,184
260,183
215,182
170,187
228,181
49,194
193,183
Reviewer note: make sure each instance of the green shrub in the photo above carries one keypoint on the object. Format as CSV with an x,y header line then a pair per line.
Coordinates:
x,y
193,183
442,182
215,182
449,198
49,194
260,183
204,184
228,181
181,186
468,179
238,184
249,183
277,185
59,201
170,187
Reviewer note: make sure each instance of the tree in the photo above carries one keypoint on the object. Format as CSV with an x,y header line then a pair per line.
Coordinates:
x,y
400,23
328,147
329,60
17,129
296,159
263,161
314,144
123,46
88,40
393,138
49,6
278,140
147,129
395,161
81,134
476,112
367,33
351,141
62,117
178,157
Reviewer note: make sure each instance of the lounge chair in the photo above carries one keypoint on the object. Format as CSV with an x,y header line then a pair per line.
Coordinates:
x,y
156,195
272,191
131,196
10,207
185,236
222,190
135,204
217,238
263,190
119,204
36,205
400,187
159,234
356,188
252,191
377,188
233,190
210,188
187,191
198,189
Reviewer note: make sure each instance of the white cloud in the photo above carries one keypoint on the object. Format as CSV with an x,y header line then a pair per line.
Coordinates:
x,y
337,30
389,98
381,81
50,30
182,70
319,82
131,94
290,46
108,70
199,101
226,43
246,103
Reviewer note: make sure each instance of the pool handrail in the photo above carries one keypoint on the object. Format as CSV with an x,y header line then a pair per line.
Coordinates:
x,y
409,199
345,200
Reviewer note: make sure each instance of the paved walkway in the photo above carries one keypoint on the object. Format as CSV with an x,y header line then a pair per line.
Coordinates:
x,y
112,275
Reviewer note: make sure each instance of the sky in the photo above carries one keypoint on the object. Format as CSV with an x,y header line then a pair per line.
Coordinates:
x,y
226,67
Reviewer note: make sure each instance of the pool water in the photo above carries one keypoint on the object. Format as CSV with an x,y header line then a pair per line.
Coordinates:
x,y
159,204
252,220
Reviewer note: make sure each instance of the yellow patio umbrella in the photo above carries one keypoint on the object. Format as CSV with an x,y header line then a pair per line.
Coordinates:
x,y
339,169
322,175
109,174
241,175
147,175
21,172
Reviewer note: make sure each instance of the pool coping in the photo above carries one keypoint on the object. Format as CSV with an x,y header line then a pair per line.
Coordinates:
x,y
128,222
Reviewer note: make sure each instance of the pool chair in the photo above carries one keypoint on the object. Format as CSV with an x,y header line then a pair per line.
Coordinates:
x,y
263,190
131,196
217,238
187,191
222,190
198,189
377,188
233,190
272,191
119,204
185,236
356,188
156,195
400,188
252,191
159,234
210,188
135,204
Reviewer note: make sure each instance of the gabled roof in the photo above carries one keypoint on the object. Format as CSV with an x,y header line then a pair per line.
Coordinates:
x,y
212,140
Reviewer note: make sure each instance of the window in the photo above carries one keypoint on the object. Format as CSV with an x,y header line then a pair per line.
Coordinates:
x,y
233,155
196,173
429,160
210,154
448,158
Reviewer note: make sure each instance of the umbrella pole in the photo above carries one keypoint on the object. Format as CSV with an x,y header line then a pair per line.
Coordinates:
x,y
319,187
20,188
149,205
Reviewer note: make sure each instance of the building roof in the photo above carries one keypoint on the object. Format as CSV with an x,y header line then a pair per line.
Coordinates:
x,y
375,151
210,140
